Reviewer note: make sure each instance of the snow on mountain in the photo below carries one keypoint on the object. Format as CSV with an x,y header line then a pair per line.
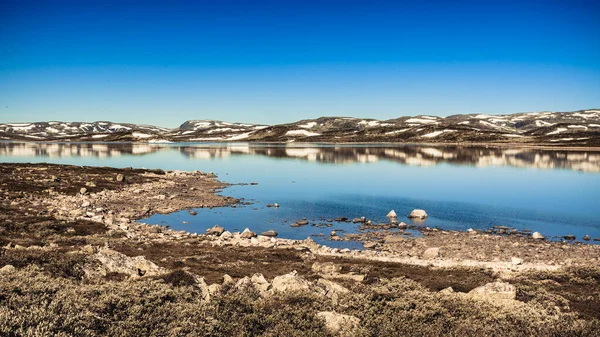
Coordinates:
x,y
578,128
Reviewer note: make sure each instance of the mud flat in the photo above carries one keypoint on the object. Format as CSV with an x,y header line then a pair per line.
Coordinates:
x,y
75,262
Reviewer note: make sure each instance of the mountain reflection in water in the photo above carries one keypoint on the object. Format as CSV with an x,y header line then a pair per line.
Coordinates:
x,y
586,161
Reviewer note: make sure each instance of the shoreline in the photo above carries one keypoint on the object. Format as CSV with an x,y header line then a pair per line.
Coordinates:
x,y
550,147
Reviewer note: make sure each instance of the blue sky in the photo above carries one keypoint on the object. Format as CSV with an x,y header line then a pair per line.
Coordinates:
x,y
280,61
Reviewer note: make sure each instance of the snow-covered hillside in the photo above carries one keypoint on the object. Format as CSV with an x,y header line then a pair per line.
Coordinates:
x,y
578,128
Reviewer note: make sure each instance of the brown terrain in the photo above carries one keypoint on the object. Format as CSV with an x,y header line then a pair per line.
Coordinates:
x,y
74,261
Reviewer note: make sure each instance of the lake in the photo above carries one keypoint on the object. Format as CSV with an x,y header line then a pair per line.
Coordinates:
x,y
555,192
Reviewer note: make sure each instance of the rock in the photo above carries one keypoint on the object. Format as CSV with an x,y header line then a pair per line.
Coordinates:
x,y
402,225
586,237
275,205
115,262
247,234
90,184
227,280
85,204
214,289
327,268
431,253
370,245
269,205
215,230
301,222
260,283
537,236
193,213
393,239
496,291
83,190
7,269
332,289
120,178
226,235
270,233
515,261
289,282
569,237
392,214
333,233
340,325
418,214
447,291
471,231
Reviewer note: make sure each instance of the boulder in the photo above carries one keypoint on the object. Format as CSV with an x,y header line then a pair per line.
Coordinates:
x,y
226,235
537,236
114,262
402,225
370,245
340,325
392,214
418,214
270,233
247,234
326,268
7,269
394,238
302,222
515,261
586,237
495,292
120,178
569,237
332,289
215,230
431,253
289,283
83,190
260,283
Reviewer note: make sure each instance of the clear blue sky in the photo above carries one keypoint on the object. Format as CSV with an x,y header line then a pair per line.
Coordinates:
x,y
280,61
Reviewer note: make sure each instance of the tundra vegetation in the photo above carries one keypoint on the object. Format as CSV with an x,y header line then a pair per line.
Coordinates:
x,y
67,274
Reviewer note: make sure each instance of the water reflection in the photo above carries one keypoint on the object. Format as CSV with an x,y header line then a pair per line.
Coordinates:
x,y
587,161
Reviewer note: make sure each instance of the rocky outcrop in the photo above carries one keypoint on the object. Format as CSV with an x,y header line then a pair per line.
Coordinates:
x,y
290,283
111,261
495,292
339,324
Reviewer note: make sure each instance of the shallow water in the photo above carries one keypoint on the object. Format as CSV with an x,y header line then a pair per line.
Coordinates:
x,y
553,192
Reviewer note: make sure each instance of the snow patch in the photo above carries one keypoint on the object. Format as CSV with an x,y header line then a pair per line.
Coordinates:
x,y
396,131
301,133
420,121
557,131
141,135
308,125
436,133
99,136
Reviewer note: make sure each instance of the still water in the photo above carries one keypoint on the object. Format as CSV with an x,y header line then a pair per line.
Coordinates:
x,y
555,192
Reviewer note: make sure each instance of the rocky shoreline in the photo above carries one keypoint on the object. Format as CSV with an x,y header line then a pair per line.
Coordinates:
x,y
90,214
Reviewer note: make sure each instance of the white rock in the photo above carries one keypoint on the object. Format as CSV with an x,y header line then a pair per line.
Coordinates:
x,y
392,214
537,236
289,282
418,213
431,253
516,261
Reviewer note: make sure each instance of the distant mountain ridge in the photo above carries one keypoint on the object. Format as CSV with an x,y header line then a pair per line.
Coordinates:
x,y
576,128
